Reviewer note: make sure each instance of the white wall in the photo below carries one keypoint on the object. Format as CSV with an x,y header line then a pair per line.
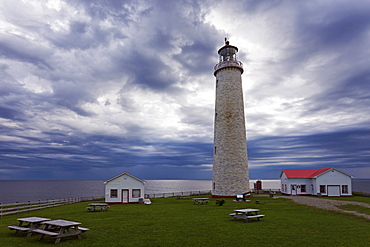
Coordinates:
x,y
298,182
123,182
334,177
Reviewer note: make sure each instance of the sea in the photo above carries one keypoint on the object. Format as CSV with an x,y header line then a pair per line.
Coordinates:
x,y
12,191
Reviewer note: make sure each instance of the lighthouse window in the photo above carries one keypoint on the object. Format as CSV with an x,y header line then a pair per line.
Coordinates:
x,y
216,116
216,83
215,150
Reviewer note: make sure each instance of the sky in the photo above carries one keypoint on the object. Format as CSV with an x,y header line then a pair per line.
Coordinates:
x,y
90,88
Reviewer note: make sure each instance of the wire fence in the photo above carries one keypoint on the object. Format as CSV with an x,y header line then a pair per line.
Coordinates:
x,y
19,207
173,194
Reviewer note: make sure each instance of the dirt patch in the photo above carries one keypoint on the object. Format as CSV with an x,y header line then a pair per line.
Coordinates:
x,y
328,204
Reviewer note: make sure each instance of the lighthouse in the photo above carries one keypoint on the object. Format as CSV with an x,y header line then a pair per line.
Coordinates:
x,y
230,158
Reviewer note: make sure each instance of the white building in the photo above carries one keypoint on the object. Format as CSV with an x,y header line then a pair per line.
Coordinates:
x,y
320,182
124,188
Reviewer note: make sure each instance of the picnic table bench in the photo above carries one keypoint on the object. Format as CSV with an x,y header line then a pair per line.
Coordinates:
x,y
55,228
59,229
27,225
246,214
200,200
19,228
182,197
97,206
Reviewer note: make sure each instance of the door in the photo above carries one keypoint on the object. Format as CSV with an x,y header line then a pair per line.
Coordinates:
x,y
125,196
294,190
333,190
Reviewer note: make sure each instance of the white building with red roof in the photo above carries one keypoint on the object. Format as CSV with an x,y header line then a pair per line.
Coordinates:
x,y
320,182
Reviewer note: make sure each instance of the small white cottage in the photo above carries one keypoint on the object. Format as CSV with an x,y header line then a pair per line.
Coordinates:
x,y
320,182
124,188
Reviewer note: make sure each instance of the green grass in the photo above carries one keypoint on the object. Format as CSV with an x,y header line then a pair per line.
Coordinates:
x,y
351,198
357,208
172,222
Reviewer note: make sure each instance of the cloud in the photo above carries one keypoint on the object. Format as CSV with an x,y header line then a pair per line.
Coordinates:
x,y
98,87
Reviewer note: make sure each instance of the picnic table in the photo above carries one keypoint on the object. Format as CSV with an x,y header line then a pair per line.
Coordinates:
x,y
60,229
182,197
246,214
98,206
200,200
28,224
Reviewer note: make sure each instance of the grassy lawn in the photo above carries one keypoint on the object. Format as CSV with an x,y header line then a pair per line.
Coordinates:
x,y
172,222
357,208
351,198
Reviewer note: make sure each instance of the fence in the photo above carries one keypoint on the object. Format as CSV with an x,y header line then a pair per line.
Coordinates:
x,y
16,208
172,194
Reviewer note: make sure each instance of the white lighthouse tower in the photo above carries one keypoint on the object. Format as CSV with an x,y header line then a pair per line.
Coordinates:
x,y
230,158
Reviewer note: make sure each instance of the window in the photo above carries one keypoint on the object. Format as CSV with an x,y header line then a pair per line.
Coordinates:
x,y
136,193
282,187
344,189
214,186
322,189
215,150
113,193
303,188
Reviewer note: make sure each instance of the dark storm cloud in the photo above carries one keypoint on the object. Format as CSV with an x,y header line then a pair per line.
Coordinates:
x,y
81,35
15,48
196,57
124,11
82,153
343,149
149,71
340,25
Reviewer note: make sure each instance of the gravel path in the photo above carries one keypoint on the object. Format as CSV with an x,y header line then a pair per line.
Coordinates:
x,y
328,204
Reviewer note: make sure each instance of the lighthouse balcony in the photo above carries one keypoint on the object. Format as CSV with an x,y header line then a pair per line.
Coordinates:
x,y
228,63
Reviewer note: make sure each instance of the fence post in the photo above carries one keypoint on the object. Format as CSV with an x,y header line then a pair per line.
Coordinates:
x,y
17,207
29,206
1,210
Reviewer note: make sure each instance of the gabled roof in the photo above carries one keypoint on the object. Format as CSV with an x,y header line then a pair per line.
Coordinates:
x,y
309,173
304,173
124,173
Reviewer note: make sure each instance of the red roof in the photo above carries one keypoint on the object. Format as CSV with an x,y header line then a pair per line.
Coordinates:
x,y
304,173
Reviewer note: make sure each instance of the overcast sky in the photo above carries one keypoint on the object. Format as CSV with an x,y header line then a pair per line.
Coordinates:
x,y
90,88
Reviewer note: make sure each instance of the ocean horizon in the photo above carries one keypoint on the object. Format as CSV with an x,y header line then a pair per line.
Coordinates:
x,y
12,191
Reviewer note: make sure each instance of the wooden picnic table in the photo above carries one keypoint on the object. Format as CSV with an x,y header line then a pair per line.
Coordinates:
x,y
247,213
28,224
200,200
60,229
98,206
